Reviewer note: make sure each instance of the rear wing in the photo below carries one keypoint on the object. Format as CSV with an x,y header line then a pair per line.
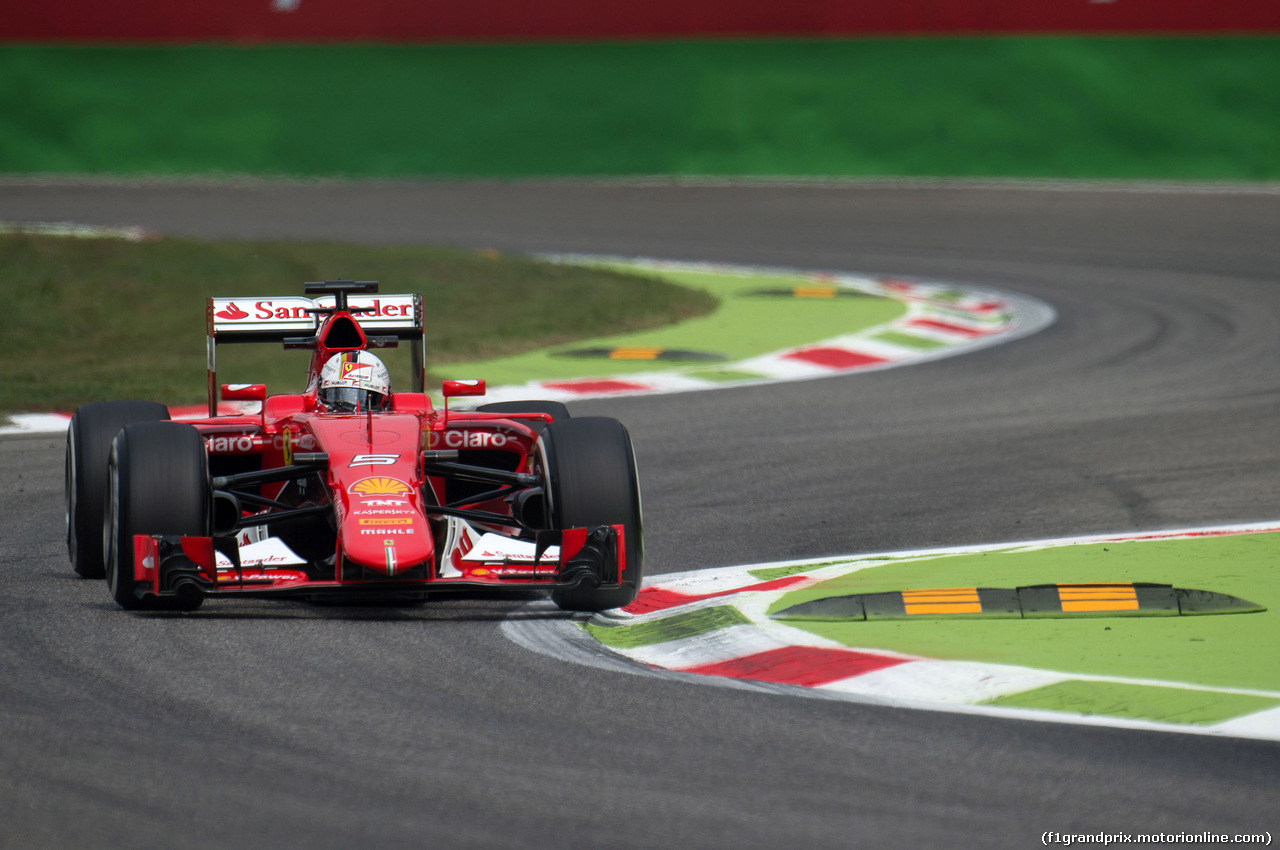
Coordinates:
x,y
386,320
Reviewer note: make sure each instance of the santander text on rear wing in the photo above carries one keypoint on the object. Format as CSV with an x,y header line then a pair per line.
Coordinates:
x,y
295,321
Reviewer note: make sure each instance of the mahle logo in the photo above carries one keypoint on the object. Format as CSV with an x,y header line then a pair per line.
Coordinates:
x,y
380,487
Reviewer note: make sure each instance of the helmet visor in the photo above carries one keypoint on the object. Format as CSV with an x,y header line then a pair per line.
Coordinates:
x,y
351,399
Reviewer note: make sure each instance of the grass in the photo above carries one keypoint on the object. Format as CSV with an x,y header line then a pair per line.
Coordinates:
x,y
1198,108
95,319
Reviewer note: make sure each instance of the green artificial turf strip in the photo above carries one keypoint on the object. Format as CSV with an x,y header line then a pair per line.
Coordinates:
x,y
665,629
1137,702
771,573
910,341
1114,107
744,325
108,318
1232,650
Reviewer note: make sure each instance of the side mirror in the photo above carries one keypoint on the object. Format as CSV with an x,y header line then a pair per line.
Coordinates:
x,y
458,389
244,392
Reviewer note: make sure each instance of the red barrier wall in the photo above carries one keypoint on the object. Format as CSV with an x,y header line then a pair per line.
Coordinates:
x,y
498,20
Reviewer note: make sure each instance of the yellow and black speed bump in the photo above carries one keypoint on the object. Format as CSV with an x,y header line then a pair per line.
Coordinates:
x,y
1100,599
1106,599
637,352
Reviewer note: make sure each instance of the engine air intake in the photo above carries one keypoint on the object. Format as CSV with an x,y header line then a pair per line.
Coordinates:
x,y
343,334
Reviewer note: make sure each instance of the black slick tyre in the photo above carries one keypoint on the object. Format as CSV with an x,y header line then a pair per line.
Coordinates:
x,y
555,409
89,437
157,483
592,480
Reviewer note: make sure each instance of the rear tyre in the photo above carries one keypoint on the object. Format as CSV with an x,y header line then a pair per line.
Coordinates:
x,y
592,480
89,437
157,483
556,409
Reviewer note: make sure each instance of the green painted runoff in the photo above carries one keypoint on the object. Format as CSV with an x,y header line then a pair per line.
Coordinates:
x,y
743,325
1138,702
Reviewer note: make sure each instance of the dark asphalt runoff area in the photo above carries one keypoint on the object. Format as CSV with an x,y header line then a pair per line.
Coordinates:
x,y
1152,403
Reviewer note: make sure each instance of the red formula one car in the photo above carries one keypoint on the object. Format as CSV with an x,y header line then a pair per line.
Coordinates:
x,y
349,490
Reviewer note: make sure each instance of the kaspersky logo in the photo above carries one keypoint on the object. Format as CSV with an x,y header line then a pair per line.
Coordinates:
x,y
380,487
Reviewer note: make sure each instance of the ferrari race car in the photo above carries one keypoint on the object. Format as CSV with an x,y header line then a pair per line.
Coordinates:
x,y
349,490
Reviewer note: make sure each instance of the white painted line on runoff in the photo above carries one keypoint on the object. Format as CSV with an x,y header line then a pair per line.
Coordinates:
x,y
948,682
711,648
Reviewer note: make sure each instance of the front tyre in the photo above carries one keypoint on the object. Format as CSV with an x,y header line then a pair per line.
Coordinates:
x,y
89,437
592,480
157,483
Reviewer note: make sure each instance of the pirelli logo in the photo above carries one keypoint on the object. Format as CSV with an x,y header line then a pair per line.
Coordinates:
x,y
397,520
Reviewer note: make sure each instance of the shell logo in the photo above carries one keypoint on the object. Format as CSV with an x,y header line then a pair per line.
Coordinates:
x,y
380,487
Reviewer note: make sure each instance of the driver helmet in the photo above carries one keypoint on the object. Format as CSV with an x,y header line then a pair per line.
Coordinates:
x,y
354,382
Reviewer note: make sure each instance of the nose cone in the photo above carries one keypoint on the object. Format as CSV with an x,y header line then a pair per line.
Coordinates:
x,y
387,543
373,469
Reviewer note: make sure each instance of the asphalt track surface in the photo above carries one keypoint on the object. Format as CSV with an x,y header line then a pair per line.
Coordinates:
x,y
1153,402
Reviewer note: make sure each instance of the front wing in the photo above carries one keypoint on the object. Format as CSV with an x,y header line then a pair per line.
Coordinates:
x,y
170,566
